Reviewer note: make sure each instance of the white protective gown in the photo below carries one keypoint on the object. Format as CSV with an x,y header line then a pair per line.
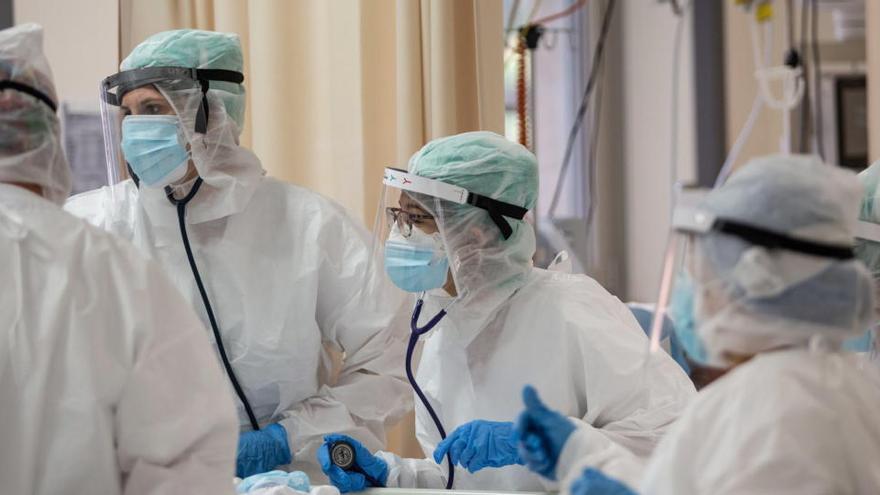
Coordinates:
x,y
796,421
284,276
567,336
106,380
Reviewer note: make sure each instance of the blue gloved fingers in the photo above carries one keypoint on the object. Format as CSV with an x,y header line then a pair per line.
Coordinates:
x,y
323,456
341,479
279,434
262,450
348,481
471,447
360,452
594,482
532,400
532,452
366,462
453,444
530,443
443,447
522,424
528,421
456,450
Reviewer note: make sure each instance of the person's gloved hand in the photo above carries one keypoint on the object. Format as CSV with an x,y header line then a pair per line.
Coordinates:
x,y
368,469
593,482
262,450
297,480
542,433
480,444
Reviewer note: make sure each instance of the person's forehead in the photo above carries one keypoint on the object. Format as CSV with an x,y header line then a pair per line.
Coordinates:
x,y
137,95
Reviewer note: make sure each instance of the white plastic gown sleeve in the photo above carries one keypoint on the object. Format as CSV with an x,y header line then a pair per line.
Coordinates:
x,y
587,448
107,378
370,392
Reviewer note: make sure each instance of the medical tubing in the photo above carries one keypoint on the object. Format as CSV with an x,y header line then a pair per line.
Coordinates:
x,y
817,80
598,53
415,333
522,94
373,481
806,108
181,216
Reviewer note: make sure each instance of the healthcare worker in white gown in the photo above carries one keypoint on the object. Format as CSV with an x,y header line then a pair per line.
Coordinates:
x,y
770,291
107,380
506,324
276,271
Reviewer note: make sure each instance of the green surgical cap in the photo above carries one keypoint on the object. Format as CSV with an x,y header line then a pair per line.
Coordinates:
x,y
200,50
483,163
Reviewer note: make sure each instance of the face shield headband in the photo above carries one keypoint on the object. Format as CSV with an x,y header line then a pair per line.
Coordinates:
x,y
24,88
497,209
693,221
114,87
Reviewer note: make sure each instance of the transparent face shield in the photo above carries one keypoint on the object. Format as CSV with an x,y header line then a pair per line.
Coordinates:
x,y
407,241
155,144
412,236
676,299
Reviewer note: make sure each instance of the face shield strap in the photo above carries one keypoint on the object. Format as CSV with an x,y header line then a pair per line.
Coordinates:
x,y
775,240
24,88
497,211
406,181
128,80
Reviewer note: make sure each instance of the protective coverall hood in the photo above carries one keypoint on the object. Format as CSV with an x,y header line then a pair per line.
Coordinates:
x,y
30,133
760,299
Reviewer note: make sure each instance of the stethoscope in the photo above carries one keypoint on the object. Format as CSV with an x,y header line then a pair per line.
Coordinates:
x,y
343,454
180,204
415,333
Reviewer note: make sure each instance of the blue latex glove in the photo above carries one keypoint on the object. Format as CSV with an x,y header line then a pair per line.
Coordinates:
x,y
354,479
593,482
262,450
480,444
297,480
542,433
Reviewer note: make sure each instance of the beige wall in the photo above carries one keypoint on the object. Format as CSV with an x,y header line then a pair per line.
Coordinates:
x,y
638,146
81,43
873,54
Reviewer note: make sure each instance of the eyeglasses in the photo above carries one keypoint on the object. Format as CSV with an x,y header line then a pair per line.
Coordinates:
x,y
405,220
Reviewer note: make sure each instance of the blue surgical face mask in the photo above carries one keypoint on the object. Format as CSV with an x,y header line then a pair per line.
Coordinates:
x,y
862,343
681,310
154,148
416,263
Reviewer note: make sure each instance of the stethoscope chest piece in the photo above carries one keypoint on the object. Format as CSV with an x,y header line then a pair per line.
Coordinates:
x,y
342,454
